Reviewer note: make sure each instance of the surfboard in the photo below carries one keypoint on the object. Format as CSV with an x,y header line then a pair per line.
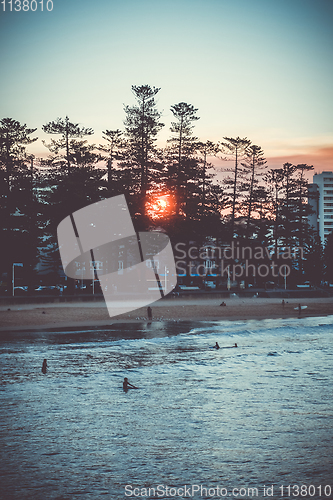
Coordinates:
x,y
302,307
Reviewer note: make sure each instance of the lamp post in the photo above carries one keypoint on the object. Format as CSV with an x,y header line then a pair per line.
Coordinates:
x,y
228,281
285,277
18,264
93,276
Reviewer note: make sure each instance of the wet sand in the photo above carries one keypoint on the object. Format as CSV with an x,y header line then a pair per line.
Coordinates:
x,y
89,314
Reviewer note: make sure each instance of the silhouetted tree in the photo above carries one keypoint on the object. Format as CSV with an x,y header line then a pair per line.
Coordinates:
x,y
254,163
206,149
142,124
15,194
289,205
182,150
67,150
71,182
274,183
303,207
234,148
114,148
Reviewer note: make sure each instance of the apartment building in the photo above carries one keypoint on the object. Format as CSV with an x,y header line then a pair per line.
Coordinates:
x,y
321,201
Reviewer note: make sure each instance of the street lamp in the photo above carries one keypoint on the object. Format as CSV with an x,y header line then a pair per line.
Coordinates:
x,y
93,276
18,264
285,277
166,272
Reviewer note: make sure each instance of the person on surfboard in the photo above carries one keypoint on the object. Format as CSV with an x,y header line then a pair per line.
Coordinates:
x,y
127,385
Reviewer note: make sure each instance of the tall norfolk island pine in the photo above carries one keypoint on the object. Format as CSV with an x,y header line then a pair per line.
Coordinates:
x,y
18,226
254,163
73,175
206,149
236,148
69,132
184,143
113,148
13,139
73,181
142,124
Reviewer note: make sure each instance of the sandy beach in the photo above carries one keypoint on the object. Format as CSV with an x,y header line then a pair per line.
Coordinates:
x,y
89,314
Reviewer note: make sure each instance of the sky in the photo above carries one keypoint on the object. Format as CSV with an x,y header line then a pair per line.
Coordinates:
x,y
261,69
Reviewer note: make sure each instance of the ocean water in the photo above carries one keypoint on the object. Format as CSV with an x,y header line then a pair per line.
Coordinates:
x,y
245,422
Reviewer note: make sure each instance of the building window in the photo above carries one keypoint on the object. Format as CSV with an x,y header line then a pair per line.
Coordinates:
x,y
120,267
328,185
328,198
97,264
328,216
150,265
328,179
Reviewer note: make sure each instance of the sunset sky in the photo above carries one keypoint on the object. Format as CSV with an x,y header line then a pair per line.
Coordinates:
x,y
256,68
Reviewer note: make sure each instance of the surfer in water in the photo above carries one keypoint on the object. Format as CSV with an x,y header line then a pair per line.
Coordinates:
x,y
127,385
216,346
235,345
44,366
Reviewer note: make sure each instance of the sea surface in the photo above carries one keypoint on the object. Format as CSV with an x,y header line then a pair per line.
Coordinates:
x,y
254,421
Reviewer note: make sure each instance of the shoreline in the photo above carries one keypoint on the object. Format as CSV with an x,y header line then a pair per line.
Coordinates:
x,y
27,317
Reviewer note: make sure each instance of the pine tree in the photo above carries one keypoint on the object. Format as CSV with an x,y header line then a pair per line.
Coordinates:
x,y
182,151
15,184
289,205
142,124
67,151
274,182
254,164
234,148
303,206
113,149
72,181
206,149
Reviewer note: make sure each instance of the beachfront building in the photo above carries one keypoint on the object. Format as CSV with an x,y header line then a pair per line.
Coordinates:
x,y
321,201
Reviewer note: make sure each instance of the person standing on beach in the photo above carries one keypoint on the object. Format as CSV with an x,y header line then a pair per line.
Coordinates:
x,y
150,313
299,310
44,366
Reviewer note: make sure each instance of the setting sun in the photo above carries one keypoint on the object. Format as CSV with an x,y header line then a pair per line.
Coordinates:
x,y
158,206
161,203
